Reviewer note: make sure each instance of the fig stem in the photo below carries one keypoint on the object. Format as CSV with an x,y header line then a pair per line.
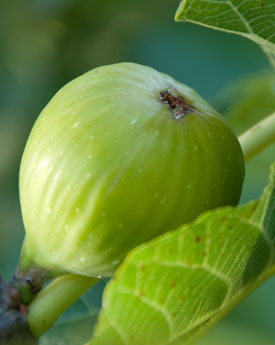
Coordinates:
x,y
258,137
50,303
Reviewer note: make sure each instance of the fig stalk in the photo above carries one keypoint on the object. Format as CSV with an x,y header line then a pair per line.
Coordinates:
x,y
55,299
258,137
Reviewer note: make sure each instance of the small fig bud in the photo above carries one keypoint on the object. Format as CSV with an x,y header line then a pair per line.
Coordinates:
x,y
120,155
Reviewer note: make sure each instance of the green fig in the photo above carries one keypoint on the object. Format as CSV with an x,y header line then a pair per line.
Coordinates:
x,y
120,155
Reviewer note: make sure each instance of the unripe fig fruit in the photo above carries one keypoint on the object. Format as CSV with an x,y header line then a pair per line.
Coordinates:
x,y
119,156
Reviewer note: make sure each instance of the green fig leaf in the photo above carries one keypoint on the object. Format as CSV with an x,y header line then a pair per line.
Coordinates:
x,y
254,19
172,289
244,103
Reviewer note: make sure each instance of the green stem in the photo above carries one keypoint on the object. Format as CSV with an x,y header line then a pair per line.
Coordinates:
x,y
55,299
258,137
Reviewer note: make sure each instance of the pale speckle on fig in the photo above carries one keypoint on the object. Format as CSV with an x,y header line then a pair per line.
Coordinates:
x,y
133,122
44,163
76,124
88,175
156,134
56,177
156,195
163,200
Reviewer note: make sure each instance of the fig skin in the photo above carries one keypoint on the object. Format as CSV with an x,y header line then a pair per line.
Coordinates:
x,y
120,155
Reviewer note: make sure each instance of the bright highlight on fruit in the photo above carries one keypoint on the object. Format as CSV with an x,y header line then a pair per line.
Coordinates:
x,y
120,155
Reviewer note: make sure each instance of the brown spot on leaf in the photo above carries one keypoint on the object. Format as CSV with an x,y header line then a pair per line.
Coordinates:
x,y
222,220
220,240
254,207
141,293
173,283
197,239
141,267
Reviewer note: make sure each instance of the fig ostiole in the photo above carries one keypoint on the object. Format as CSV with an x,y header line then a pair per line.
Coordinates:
x,y
120,155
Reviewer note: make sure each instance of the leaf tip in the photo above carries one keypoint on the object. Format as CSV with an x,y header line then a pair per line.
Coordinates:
x,y
179,15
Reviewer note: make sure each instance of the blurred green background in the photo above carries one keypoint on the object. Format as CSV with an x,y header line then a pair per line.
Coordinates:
x,y
46,43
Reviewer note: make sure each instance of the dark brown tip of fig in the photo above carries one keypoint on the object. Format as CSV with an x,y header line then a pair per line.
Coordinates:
x,y
178,105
